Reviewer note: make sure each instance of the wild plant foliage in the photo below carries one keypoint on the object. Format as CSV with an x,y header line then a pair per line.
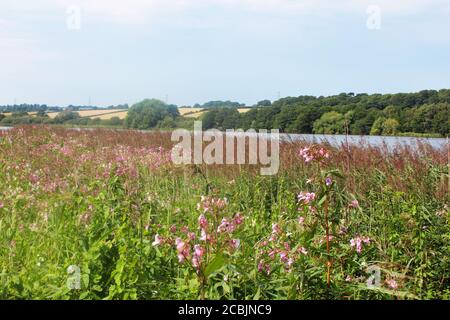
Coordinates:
x,y
105,214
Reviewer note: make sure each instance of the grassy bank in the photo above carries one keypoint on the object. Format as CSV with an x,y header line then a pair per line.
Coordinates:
x,y
112,204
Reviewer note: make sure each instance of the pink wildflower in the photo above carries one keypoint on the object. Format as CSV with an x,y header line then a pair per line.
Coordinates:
x,y
306,197
238,218
226,226
235,243
195,262
306,155
184,230
180,244
267,269
191,236
272,254
260,266
203,223
158,240
181,258
324,153
358,243
198,251
290,262
204,236
354,204
330,238
276,228
284,256
392,284
209,204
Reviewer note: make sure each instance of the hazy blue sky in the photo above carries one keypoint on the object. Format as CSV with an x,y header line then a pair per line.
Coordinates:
x,y
200,50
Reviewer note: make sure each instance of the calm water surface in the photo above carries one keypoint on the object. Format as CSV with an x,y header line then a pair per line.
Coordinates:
x,y
338,140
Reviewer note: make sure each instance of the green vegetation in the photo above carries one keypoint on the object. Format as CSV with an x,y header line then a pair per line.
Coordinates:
x,y
425,113
151,113
104,214
219,104
330,123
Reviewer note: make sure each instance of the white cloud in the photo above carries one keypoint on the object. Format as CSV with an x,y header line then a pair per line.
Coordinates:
x,y
143,10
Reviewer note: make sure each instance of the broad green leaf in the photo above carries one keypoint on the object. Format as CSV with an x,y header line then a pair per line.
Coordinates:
x,y
216,263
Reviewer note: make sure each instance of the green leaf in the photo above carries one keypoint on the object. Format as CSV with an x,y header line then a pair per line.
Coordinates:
x,y
321,201
257,295
336,173
216,263
84,295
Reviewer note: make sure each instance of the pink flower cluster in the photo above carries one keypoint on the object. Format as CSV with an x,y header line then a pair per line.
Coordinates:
x,y
199,252
211,236
183,249
392,284
275,247
211,204
354,204
66,150
306,197
229,225
313,153
358,243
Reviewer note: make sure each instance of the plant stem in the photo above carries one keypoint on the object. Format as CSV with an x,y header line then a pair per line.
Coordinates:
x,y
327,229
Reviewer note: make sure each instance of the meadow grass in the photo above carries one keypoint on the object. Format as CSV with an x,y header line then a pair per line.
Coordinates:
x,y
139,227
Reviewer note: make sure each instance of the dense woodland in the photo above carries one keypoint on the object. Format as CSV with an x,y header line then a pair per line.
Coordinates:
x,y
422,113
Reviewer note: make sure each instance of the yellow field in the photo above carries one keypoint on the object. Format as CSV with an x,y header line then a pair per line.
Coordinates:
x,y
102,114
201,111
52,114
194,115
184,111
9,113
122,113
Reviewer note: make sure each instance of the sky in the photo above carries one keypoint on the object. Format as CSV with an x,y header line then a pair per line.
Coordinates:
x,y
109,52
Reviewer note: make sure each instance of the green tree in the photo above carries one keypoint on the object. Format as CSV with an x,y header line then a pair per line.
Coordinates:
x,y
385,127
330,123
377,127
221,118
264,103
303,123
65,116
115,121
148,113
390,127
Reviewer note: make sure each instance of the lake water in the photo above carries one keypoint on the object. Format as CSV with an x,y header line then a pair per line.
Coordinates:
x,y
376,141
338,140
389,141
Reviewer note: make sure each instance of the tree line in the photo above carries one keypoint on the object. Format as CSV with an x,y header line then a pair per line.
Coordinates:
x,y
424,112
